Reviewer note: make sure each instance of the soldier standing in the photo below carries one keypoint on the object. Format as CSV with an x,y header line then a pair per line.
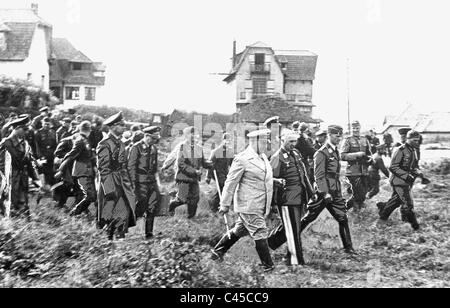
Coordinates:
x,y
63,131
45,150
116,201
18,167
404,171
327,168
221,158
143,168
356,152
190,160
250,184
375,167
82,157
292,197
321,138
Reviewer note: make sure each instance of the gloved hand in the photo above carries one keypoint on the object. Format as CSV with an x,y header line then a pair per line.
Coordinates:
x,y
223,210
328,199
410,179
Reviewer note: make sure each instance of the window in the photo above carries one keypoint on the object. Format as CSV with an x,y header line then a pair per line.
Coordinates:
x,y
89,94
260,58
243,95
157,119
77,66
283,65
73,93
259,85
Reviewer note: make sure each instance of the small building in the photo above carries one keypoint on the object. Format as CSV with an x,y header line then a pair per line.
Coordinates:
x,y
260,110
25,46
74,78
435,127
260,71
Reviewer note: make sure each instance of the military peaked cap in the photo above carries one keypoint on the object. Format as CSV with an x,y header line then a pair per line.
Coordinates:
x,y
113,120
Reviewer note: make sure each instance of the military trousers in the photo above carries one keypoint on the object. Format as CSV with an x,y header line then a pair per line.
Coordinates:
x,y
189,194
401,197
373,186
359,187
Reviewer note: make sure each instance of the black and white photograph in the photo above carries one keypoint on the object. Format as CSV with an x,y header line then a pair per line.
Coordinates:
x,y
224,149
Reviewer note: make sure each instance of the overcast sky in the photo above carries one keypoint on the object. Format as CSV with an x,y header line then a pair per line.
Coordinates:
x,y
160,54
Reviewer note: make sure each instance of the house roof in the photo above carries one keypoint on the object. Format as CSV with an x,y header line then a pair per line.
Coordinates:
x,y
298,67
300,64
18,41
436,122
64,50
22,16
260,110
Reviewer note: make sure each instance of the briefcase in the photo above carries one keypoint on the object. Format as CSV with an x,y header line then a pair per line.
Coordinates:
x,y
163,208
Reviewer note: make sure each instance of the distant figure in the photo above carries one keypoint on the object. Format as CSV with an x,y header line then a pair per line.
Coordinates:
x,y
376,166
388,141
356,152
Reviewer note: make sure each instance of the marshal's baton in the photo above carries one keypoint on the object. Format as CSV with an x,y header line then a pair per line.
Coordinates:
x,y
220,197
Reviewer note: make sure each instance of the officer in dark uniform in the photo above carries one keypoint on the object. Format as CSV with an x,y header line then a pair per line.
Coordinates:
x,y
143,169
190,160
404,171
356,152
116,200
327,168
20,169
321,138
292,197
221,158
63,131
45,150
83,159
69,185
375,167
306,148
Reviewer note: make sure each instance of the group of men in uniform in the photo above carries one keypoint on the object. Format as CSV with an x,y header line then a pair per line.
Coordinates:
x,y
286,172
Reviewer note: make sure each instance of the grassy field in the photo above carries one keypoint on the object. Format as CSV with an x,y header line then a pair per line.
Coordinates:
x,y
55,250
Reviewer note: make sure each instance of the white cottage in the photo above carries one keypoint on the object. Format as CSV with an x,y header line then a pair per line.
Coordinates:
x,y
25,46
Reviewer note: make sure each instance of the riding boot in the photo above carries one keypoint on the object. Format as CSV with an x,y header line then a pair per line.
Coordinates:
x,y
344,232
149,221
262,248
225,243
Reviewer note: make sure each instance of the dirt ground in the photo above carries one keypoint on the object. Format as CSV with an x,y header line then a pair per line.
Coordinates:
x,y
54,250
388,256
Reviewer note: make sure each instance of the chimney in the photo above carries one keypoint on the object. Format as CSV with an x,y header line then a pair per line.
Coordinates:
x,y
234,53
35,8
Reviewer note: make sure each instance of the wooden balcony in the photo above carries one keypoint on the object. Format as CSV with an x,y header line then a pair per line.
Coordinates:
x,y
260,68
